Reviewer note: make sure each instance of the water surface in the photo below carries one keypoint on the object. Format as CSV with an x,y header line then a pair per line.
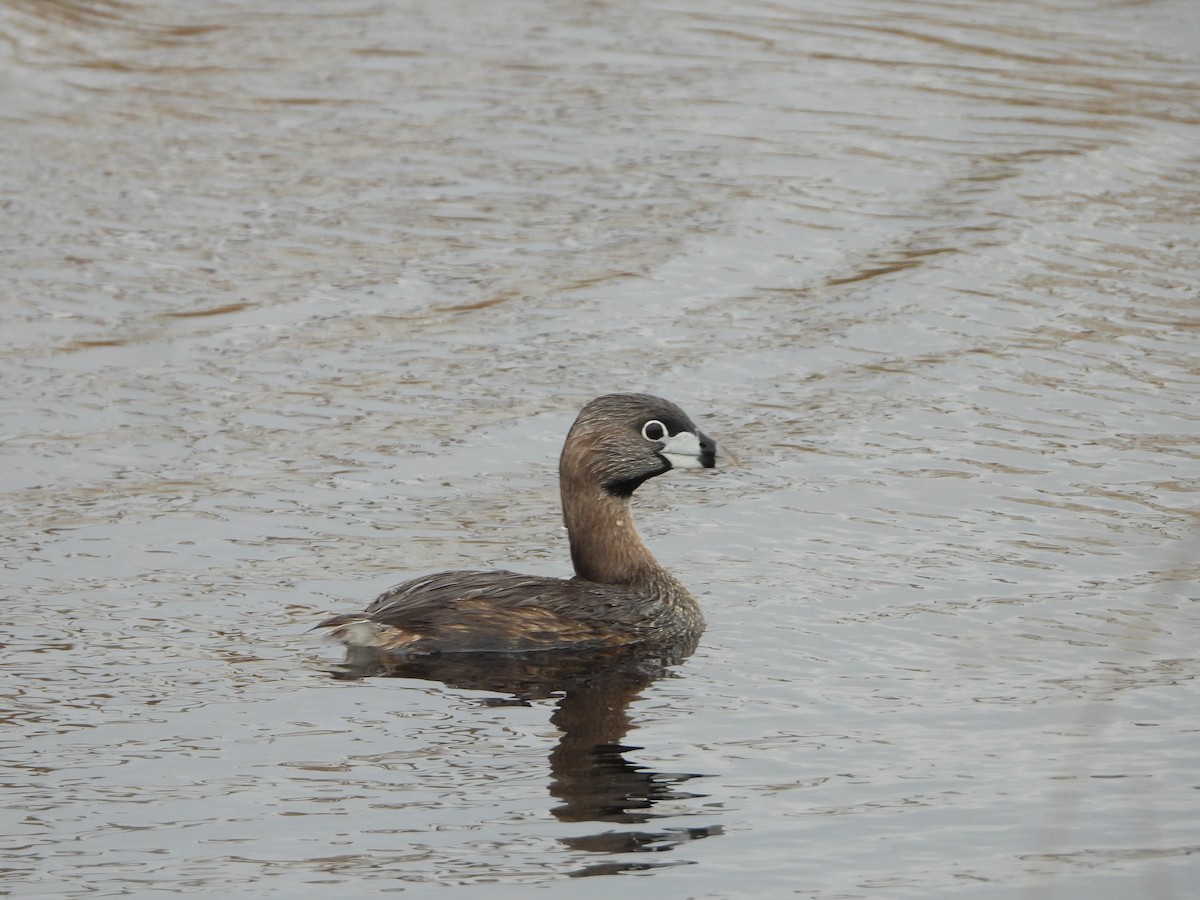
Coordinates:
x,y
300,298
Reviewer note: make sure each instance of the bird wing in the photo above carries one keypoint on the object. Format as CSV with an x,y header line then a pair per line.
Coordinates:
x,y
505,610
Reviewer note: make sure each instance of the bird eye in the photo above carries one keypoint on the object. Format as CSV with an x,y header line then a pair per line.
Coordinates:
x,y
654,430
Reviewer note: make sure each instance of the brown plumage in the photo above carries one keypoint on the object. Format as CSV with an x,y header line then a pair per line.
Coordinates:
x,y
620,596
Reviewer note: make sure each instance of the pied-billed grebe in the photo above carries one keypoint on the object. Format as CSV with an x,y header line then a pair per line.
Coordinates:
x,y
620,595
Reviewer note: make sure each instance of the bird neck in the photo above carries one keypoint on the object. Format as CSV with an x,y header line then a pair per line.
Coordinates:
x,y
605,545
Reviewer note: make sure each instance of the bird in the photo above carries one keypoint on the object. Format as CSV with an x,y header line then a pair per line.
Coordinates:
x,y
620,597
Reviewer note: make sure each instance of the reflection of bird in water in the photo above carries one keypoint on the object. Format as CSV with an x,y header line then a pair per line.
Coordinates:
x,y
620,595
589,774
596,640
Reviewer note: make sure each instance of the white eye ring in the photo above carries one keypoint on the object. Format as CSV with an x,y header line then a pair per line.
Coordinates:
x,y
654,430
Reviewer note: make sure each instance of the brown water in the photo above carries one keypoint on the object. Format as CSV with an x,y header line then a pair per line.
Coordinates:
x,y
299,299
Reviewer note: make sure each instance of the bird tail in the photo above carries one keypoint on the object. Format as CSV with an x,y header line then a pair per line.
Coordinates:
x,y
353,630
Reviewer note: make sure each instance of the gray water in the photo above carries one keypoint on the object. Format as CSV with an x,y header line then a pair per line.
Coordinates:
x,y
300,298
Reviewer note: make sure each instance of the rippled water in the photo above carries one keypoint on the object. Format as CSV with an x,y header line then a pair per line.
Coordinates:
x,y
299,299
